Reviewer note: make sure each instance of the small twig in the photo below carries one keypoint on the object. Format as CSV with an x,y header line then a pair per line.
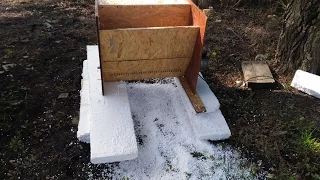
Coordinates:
x,y
236,4
230,29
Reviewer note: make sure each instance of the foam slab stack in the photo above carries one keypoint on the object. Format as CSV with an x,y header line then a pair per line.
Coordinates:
x,y
211,124
307,83
106,121
109,126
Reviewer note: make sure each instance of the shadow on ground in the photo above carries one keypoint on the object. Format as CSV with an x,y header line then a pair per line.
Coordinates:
x,y
46,41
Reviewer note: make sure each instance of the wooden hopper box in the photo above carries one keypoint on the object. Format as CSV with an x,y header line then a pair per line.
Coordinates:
x,y
147,39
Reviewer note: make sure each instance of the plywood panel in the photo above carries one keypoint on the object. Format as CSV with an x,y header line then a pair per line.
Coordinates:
x,y
144,69
198,19
147,43
137,16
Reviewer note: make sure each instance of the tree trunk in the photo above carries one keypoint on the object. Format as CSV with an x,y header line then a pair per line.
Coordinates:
x,y
299,42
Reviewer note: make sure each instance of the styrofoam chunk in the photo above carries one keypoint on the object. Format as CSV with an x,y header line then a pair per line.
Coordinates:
x,y
207,97
186,101
112,136
209,100
112,132
307,82
211,126
83,133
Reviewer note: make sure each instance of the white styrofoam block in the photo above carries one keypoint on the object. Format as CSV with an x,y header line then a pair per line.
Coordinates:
x,y
85,73
141,2
209,125
186,101
112,136
83,133
94,64
307,82
208,98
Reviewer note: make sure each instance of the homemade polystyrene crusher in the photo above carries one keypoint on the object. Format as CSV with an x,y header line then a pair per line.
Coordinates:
x,y
151,39
137,40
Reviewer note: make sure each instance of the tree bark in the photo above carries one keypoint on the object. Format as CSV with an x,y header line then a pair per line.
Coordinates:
x,y
299,42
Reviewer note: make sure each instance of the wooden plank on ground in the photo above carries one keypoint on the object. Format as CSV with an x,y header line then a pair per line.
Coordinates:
x,y
137,16
195,99
257,73
198,19
144,69
147,43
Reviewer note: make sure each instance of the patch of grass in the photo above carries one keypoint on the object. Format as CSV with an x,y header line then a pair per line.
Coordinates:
x,y
9,54
309,143
15,143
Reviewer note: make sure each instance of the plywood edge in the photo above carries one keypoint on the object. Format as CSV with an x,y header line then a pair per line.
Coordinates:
x,y
198,18
141,5
142,2
195,99
151,28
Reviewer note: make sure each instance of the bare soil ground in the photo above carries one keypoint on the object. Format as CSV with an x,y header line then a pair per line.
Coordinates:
x,y
272,126
46,40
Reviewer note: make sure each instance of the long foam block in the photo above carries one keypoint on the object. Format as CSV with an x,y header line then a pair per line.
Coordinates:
x,y
208,98
83,133
307,82
112,136
210,125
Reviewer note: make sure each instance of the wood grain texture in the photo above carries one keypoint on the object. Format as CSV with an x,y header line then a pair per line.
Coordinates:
x,y
144,69
147,43
257,72
137,16
194,98
198,19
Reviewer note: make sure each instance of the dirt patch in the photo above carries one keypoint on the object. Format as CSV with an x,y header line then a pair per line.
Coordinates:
x,y
46,40
268,125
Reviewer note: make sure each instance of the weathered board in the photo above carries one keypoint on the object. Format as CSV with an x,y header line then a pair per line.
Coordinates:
x,y
194,98
208,12
198,19
137,16
147,43
257,74
144,69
